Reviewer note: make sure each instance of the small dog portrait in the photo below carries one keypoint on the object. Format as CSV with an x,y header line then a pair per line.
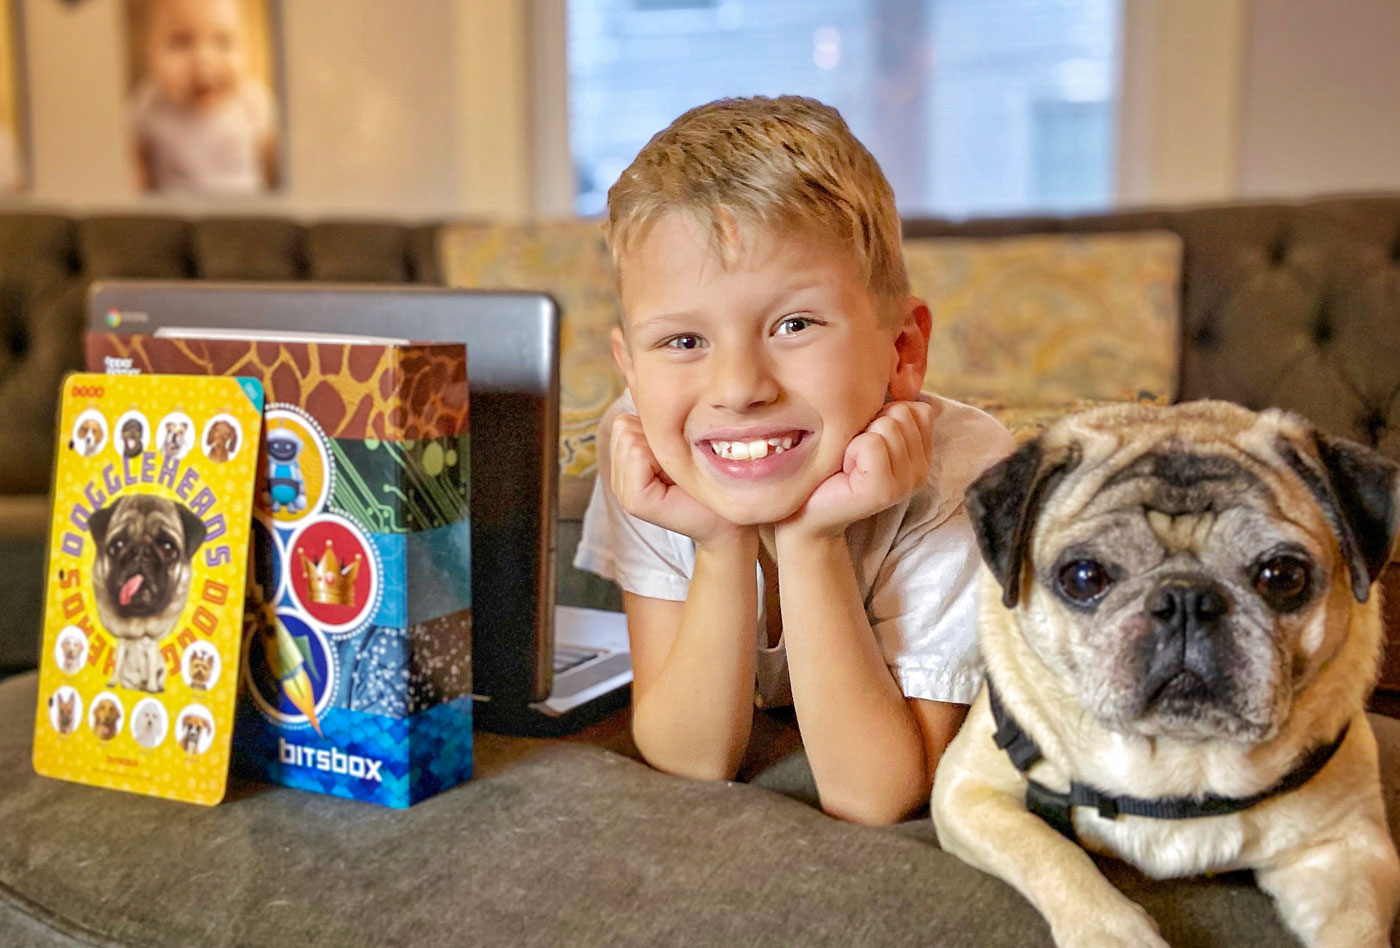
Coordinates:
x,y
106,717
72,650
193,730
200,668
1180,628
221,440
64,710
175,441
148,723
89,435
141,580
133,437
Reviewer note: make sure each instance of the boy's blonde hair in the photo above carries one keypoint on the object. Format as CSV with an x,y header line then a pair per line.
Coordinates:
x,y
787,163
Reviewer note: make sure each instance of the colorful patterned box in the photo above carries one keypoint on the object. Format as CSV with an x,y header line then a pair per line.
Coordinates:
x,y
357,636
153,497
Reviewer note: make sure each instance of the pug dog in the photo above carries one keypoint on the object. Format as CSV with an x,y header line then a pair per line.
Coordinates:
x,y
175,434
222,441
141,580
131,438
1179,630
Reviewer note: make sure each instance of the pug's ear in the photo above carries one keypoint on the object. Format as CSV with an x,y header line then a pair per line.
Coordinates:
x,y
194,530
1003,504
99,521
1356,488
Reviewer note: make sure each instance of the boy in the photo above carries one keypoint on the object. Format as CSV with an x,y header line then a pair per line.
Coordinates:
x,y
773,359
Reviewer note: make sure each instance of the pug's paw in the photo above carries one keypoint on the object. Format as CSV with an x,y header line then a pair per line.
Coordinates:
x,y
1126,926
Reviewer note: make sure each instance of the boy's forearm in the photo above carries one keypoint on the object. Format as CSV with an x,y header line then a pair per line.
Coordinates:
x,y
694,718
862,739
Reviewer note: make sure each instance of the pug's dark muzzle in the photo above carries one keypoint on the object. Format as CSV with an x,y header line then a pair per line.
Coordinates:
x,y
141,581
1186,652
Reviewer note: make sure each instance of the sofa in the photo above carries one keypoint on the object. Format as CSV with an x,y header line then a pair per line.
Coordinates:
x,y
575,841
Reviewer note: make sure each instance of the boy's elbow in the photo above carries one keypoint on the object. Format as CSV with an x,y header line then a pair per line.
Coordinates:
x,y
868,809
663,755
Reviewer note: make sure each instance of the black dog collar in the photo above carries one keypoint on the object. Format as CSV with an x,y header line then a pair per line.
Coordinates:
x,y
1056,808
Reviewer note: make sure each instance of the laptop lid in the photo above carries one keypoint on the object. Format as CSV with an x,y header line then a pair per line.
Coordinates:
x,y
512,343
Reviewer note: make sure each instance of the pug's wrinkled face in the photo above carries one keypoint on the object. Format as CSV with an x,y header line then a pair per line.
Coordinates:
x,y
144,548
1183,571
1188,595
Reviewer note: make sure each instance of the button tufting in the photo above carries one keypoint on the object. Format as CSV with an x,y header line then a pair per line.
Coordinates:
x,y
1374,423
1278,250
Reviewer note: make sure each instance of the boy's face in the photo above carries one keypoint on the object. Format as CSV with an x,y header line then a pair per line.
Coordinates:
x,y
194,51
752,376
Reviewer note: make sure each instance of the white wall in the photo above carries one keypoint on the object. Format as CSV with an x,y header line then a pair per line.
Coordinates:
x,y
459,109
1321,98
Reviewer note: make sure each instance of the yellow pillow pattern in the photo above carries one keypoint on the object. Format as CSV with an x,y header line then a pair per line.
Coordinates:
x,y
1042,320
570,261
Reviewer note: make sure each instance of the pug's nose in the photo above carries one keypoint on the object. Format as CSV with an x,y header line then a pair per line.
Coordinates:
x,y
1188,605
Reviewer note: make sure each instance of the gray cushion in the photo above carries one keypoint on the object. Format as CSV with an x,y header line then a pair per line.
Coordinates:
x,y
551,843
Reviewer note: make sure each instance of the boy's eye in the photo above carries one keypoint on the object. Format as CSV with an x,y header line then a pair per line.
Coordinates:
x,y
685,341
793,324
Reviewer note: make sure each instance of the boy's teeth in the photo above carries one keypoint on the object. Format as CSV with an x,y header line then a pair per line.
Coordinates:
x,y
751,450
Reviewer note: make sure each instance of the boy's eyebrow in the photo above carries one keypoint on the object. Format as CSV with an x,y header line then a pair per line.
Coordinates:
x,y
641,322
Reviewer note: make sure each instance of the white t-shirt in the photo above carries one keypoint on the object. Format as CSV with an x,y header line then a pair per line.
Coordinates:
x,y
916,562
217,151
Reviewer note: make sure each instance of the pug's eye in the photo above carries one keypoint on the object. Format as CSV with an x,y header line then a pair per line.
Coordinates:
x,y
1083,581
1284,582
115,547
167,545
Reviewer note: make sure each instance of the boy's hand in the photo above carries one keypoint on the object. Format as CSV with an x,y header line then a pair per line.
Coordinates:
x,y
644,490
883,464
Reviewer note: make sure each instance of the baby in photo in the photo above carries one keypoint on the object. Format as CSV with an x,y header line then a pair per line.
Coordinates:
x,y
200,120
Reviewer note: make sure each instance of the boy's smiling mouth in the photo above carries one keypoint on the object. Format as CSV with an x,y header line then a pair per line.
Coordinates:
x,y
756,454
754,449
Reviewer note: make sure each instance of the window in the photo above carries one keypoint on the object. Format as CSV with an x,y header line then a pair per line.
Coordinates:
x,y
971,106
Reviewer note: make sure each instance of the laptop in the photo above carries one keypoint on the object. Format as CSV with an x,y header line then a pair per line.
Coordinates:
x,y
538,667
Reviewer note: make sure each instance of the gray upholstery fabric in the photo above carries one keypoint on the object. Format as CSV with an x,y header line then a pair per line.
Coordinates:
x,y
550,844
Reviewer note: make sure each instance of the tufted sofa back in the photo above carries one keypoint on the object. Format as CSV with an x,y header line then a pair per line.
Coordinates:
x,y
1289,305
47,263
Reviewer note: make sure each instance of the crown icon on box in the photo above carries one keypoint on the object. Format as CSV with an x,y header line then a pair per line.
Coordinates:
x,y
329,582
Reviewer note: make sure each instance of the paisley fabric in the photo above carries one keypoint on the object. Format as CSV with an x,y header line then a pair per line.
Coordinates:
x,y
570,261
1026,326
1050,319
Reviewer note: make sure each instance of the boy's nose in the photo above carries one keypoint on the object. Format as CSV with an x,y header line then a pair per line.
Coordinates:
x,y
741,380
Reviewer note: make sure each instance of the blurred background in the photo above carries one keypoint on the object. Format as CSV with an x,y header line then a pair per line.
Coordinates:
x,y
514,109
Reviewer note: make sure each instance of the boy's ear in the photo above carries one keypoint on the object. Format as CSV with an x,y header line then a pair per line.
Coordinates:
x,y
621,355
911,351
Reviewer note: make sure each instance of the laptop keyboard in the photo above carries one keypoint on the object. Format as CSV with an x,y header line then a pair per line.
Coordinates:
x,y
567,656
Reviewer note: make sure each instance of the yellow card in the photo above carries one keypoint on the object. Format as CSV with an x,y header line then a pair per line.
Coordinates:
x,y
148,552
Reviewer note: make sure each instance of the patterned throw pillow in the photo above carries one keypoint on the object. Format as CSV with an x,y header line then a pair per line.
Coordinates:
x,y
570,261
1045,320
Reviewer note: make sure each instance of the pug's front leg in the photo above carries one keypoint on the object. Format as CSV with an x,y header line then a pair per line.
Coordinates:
x,y
979,812
1342,893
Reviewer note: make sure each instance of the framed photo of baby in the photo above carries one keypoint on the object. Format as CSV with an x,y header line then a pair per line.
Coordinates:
x,y
202,100
14,172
